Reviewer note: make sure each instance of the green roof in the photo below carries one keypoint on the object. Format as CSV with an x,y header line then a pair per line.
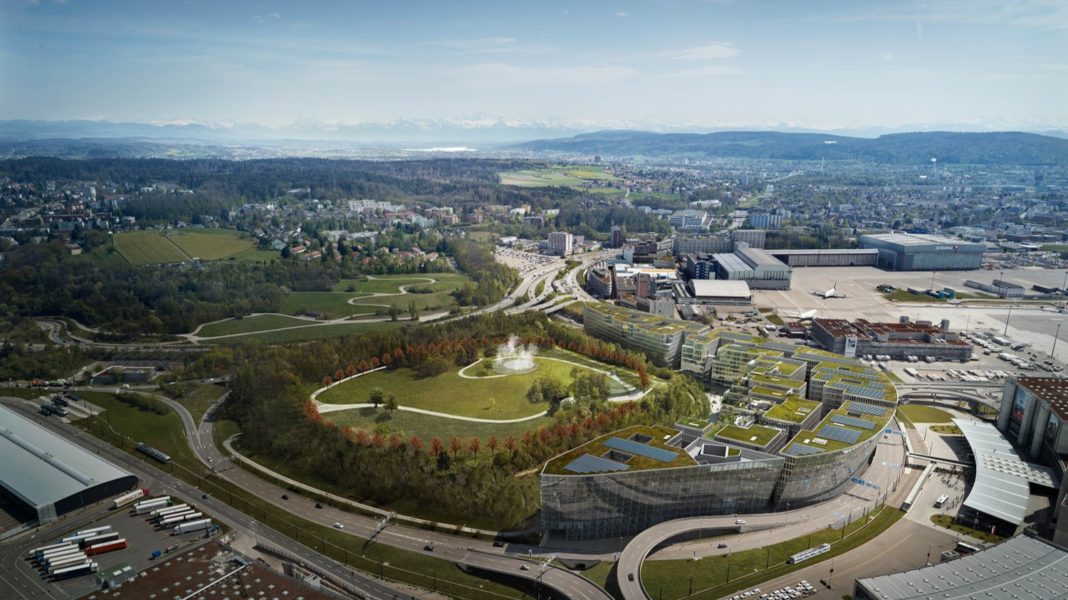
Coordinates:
x,y
832,445
792,410
763,435
644,320
659,436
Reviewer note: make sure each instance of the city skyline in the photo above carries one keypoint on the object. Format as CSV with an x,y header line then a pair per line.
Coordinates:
x,y
676,65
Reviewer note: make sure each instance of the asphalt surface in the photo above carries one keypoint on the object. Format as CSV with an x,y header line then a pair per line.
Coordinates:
x,y
478,553
767,528
21,583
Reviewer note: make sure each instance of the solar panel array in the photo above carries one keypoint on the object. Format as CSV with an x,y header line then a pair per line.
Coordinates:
x,y
852,422
640,449
865,391
839,434
866,409
588,463
801,450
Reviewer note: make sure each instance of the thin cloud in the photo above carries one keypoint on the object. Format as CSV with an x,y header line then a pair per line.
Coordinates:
x,y
621,14
711,71
501,75
714,51
476,44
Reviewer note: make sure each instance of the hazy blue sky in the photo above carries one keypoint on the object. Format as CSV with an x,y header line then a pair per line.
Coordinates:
x,y
987,63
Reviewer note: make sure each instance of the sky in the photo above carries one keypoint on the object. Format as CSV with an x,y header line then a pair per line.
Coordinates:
x,y
670,64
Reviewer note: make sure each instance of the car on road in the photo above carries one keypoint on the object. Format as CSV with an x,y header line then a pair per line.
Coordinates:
x,y
203,496
318,505
338,526
630,576
429,547
524,568
722,545
498,544
739,522
285,496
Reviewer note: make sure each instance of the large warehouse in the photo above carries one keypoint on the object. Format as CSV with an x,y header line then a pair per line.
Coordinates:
x,y
913,252
47,475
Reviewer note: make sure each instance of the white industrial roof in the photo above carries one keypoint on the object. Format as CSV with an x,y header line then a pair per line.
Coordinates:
x,y
42,468
720,288
1023,567
916,239
1001,478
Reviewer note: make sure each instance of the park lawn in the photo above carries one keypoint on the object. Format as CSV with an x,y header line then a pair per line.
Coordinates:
x,y
918,413
333,305
426,426
671,579
146,248
254,323
907,296
163,432
211,244
625,374
485,398
302,334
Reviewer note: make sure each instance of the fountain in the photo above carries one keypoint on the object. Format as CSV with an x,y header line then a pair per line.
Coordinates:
x,y
514,357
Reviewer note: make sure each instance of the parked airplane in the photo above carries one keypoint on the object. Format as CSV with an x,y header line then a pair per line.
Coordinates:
x,y
828,294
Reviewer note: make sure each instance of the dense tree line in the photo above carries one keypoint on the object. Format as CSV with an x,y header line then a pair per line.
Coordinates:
x,y
491,279
465,478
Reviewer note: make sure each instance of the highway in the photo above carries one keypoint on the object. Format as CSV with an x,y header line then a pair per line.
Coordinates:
x,y
25,583
477,553
767,528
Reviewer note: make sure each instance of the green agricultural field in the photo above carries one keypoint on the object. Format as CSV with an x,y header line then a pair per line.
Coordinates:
x,y
568,176
917,413
211,244
425,426
147,248
485,397
249,324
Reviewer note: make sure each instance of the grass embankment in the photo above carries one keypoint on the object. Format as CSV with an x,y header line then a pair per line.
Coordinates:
x,y
430,293
946,429
197,399
425,426
715,577
251,324
907,296
303,334
979,534
488,397
918,413
165,433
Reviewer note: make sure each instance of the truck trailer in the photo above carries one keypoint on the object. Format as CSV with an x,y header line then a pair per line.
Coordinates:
x,y
106,547
129,497
192,526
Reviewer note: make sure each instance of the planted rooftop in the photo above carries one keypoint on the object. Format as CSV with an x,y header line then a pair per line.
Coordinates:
x,y
637,448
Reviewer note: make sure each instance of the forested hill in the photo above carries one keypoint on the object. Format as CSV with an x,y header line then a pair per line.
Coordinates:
x,y
1004,148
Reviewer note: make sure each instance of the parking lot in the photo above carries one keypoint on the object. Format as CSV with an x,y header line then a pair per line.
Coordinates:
x,y
801,589
524,262
142,537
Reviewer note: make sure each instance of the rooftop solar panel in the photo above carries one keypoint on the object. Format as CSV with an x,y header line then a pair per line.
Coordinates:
x,y
588,463
852,422
801,450
839,434
866,409
640,449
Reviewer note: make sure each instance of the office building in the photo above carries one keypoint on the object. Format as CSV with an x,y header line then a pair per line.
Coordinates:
x,y
657,337
754,238
690,220
561,243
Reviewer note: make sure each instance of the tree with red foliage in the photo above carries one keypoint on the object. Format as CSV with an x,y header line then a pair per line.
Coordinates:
x,y
492,444
363,365
398,354
416,443
643,376
436,445
374,362
361,437
386,358
339,375
350,370
527,438
394,440
312,411
473,446
509,442
455,444
378,440
327,381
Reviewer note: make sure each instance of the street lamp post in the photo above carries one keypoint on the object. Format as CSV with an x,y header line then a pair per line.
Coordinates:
x,y
1055,337
1006,332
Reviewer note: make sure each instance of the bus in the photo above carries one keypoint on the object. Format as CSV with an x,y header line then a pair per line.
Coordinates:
x,y
941,501
966,548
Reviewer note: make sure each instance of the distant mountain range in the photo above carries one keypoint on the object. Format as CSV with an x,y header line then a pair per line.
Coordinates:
x,y
1005,148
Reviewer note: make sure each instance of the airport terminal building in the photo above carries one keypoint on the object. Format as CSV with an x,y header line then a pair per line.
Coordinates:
x,y
46,476
804,422
915,252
